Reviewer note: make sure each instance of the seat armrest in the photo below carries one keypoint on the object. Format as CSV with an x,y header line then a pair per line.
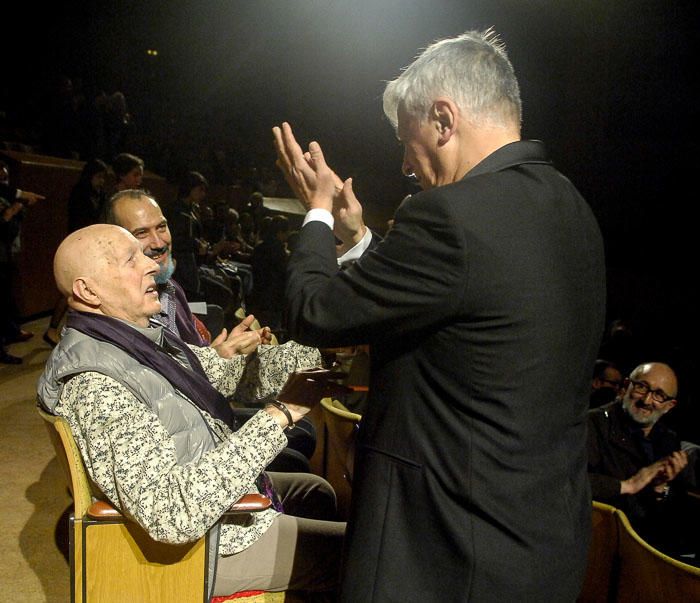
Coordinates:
x,y
101,510
250,503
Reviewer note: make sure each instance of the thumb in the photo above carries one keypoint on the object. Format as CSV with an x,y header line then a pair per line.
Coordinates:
x,y
349,193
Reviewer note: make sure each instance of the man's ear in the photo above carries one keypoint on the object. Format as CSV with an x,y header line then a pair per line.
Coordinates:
x,y
82,292
444,114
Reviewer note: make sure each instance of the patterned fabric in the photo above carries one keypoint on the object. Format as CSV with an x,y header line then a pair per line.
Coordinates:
x,y
165,354
132,460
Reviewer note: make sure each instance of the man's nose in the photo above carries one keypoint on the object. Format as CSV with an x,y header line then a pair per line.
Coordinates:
x,y
151,266
155,241
406,169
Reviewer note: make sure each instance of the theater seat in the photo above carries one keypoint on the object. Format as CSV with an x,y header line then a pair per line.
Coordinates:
x,y
646,574
340,426
602,553
113,559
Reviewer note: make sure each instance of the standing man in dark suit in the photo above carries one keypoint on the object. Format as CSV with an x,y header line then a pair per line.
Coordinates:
x,y
484,308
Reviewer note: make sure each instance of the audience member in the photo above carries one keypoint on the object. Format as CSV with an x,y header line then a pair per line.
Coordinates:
x,y
235,255
85,207
269,262
248,232
128,170
12,206
255,206
635,461
189,246
117,123
606,383
483,308
127,388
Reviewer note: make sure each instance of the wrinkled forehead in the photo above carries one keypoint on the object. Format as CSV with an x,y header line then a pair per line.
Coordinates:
x,y
115,247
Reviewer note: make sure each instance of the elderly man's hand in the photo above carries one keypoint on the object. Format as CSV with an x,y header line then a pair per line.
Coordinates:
x,y
312,181
242,339
228,346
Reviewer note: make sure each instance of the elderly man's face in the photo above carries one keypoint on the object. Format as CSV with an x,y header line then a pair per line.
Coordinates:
x,y
646,383
125,281
144,219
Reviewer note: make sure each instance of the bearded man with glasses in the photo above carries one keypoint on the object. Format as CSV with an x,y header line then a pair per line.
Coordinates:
x,y
635,462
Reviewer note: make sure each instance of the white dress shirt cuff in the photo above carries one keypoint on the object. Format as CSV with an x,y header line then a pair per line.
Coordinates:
x,y
319,215
356,252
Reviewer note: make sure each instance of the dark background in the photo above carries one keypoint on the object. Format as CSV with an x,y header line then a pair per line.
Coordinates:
x,y
606,84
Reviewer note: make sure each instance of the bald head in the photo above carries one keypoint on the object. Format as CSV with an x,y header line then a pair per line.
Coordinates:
x,y
658,373
102,269
83,253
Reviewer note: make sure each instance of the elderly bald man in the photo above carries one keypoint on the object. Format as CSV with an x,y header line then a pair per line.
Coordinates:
x,y
128,388
141,215
635,461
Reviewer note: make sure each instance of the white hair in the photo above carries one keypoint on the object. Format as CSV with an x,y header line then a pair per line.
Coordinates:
x,y
472,69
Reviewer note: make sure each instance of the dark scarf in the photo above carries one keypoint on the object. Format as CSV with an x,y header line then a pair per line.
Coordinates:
x,y
192,383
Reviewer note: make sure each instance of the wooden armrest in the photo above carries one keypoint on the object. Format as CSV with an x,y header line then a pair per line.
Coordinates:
x,y
102,510
250,503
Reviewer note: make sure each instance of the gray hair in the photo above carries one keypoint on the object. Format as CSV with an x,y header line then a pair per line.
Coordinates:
x,y
108,213
472,69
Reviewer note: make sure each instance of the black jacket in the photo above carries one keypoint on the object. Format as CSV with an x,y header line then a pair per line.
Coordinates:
x,y
483,307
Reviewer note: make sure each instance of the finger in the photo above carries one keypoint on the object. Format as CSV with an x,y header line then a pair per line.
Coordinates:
x,y
220,338
292,149
252,343
317,157
285,145
244,325
349,194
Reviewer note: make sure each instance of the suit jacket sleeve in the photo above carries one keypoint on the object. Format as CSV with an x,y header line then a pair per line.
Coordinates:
x,y
411,280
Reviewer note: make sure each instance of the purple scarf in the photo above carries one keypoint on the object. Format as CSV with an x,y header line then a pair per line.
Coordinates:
x,y
192,383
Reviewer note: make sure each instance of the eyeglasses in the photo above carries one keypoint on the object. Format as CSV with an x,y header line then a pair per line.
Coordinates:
x,y
643,389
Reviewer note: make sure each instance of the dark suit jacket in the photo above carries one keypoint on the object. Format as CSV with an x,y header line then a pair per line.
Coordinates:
x,y
484,308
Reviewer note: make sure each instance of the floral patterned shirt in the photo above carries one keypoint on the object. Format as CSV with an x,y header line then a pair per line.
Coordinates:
x,y
131,458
